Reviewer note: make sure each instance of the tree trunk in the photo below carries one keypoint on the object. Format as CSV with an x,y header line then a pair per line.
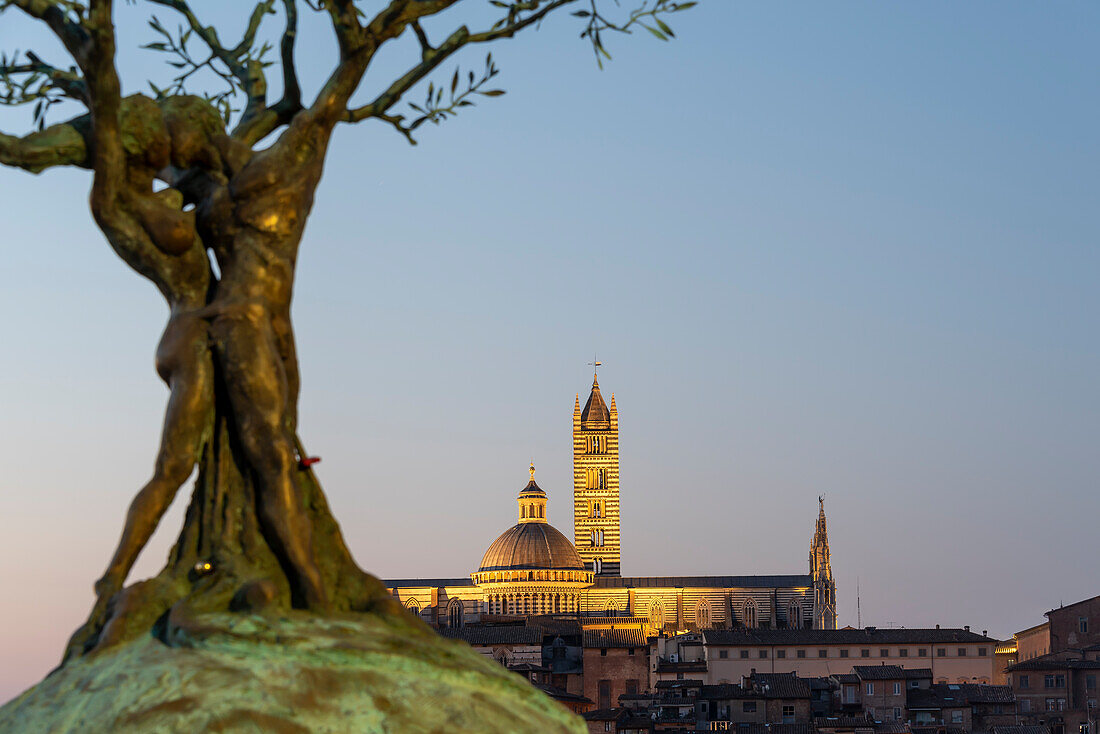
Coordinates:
x,y
224,558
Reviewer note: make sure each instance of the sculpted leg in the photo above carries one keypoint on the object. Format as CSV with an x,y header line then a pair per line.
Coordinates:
x,y
258,388
183,359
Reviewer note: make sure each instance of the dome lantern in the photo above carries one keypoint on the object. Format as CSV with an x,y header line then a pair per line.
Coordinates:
x,y
532,501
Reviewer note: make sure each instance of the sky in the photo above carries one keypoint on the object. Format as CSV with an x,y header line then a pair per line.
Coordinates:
x,y
847,249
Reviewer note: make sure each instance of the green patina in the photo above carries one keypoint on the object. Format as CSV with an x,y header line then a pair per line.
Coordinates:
x,y
292,673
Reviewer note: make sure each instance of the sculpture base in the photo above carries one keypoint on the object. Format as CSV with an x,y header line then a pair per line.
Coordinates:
x,y
292,673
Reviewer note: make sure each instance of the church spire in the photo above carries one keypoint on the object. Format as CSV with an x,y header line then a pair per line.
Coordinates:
x,y
821,573
595,410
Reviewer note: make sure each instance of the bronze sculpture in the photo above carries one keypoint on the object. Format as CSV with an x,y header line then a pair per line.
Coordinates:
x,y
258,530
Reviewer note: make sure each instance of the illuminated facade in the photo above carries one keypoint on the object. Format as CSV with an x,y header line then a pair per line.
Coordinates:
x,y
533,569
596,483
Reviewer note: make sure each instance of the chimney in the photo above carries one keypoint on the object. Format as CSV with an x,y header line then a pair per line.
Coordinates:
x,y
985,633
967,628
937,626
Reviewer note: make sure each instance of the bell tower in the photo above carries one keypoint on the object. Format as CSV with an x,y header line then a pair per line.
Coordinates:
x,y
596,483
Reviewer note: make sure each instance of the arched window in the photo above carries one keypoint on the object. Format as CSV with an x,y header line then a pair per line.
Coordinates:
x,y
702,614
597,565
610,609
748,613
657,615
454,613
413,606
540,510
794,615
501,656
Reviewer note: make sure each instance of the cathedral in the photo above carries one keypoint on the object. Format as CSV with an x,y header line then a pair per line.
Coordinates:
x,y
533,569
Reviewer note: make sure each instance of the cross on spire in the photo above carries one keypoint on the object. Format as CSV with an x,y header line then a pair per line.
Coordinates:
x,y
595,363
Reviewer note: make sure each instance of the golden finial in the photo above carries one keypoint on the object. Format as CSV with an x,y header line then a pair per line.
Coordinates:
x,y
532,470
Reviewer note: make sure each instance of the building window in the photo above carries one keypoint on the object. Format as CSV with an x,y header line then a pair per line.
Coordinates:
x,y
897,689
1083,625
762,653
632,686
870,689
903,652
865,653
922,652
1090,682
744,654
1025,705
962,652
454,613
956,717
1050,704
630,651
723,654
897,714
1025,681
800,654
748,707
788,714
982,652
794,615
884,652
823,653
748,613
603,652
656,615
843,653
1059,681
941,652
702,614
605,694
781,653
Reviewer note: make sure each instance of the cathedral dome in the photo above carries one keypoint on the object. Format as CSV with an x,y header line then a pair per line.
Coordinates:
x,y
531,545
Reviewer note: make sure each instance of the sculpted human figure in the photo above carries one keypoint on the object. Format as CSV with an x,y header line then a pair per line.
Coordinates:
x,y
151,233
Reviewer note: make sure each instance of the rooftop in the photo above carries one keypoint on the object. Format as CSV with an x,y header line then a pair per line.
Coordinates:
x,y
848,636
614,638
705,582
880,672
493,635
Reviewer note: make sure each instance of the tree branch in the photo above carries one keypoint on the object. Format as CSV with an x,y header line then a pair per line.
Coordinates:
x,y
247,71
64,144
56,15
431,58
69,83
252,129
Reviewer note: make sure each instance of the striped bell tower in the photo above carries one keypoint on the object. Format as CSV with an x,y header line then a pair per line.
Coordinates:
x,y
596,483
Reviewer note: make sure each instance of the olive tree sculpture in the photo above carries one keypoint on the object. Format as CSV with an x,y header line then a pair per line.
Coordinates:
x,y
186,178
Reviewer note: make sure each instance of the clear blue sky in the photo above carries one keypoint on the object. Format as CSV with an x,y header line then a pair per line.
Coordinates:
x,y
845,248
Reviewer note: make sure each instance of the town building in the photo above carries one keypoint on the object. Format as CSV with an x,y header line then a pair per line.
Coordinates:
x,y
1054,677
952,655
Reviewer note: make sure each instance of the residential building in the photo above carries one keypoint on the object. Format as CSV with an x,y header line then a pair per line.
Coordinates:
x,y
1058,691
616,662
952,655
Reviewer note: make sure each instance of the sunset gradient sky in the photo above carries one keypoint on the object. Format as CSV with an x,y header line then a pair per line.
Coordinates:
x,y
841,248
